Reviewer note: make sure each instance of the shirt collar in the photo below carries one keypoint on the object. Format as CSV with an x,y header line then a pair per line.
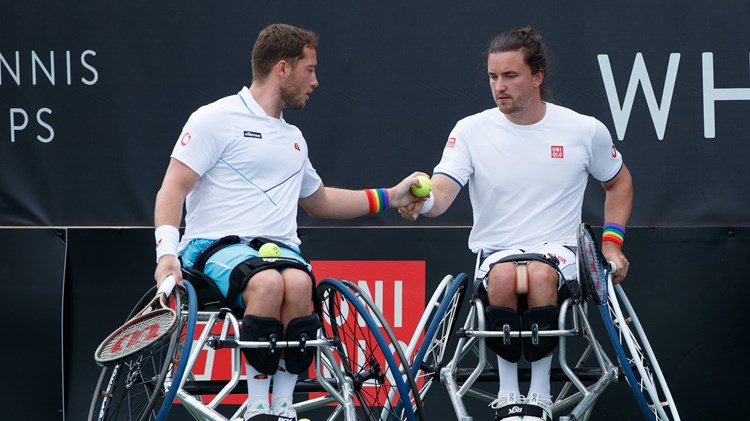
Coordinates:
x,y
253,106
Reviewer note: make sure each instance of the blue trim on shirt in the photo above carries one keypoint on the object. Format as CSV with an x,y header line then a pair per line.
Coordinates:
x,y
451,177
248,180
246,106
616,174
287,179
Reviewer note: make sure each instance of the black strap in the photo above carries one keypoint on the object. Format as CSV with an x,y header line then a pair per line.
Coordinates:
x,y
257,242
203,256
519,410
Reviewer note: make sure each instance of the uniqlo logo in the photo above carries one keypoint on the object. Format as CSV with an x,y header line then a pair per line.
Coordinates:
x,y
451,143
557,152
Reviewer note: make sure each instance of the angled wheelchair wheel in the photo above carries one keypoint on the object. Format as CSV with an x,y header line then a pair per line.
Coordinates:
x,y
140,387
441,313
364,353
637,359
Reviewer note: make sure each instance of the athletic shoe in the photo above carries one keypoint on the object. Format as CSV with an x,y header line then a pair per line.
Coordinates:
x,y
257,409
543,401
283,407
507,405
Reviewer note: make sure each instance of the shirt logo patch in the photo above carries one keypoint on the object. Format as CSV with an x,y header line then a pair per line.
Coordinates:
x,y
451,143
185,139
614,151
254,135
557,152
296,146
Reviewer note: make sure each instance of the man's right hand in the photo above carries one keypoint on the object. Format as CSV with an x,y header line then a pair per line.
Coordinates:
x,y
168,265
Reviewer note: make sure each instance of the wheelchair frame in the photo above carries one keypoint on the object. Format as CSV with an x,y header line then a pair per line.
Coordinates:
x,y
350,365
583,382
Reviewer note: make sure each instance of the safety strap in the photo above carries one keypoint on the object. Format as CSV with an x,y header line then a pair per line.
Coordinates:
x,y
522,277
520,410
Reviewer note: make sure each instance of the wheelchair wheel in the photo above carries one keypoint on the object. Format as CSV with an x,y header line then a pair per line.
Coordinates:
x,y
134,389
445,306
636,357
366,357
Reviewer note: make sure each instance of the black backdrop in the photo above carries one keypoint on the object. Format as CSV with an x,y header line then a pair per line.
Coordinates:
x,y
394,79
93,96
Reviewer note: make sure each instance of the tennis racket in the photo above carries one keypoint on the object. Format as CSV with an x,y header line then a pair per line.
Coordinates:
x,y
592,267
147,328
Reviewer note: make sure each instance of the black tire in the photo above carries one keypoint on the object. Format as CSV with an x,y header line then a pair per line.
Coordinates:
x,y
134,389
637,359
375,373
428,358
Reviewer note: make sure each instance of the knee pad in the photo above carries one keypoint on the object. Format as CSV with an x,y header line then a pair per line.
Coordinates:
x,y
256,328
301,329
540,318
496,319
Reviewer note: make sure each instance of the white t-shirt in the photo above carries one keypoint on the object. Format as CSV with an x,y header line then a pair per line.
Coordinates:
x,y
254,169
527,182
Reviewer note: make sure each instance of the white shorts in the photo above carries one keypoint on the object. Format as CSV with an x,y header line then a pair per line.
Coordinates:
x,y
565,255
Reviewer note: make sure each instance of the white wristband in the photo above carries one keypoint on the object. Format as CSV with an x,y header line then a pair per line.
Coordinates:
x,y
427,205
167,238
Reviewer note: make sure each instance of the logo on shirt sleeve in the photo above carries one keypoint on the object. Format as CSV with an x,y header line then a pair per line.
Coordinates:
x,y
254,135
614,151
451,143
557,152
185,139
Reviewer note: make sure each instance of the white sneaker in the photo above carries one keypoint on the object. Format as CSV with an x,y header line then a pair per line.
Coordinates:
x,y
255,408
506,405
284,408
543,401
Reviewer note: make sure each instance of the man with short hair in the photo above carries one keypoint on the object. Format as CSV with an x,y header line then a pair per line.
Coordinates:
x,y
241,171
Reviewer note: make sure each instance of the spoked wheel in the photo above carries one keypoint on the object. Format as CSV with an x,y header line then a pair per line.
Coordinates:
x,y
636,357
134,389
442,313
366,356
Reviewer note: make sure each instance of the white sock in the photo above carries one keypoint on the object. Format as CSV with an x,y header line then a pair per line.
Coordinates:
x,y
257,385
540,371
508,373
283,383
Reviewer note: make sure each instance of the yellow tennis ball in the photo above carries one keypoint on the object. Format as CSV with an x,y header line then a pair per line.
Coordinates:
x,y
269,250
304,419
423,191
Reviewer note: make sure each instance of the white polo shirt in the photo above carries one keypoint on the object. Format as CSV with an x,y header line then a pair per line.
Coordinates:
x,y
254,168
527,182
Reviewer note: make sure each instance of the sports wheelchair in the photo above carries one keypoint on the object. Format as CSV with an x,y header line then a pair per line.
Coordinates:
x,y
355,374
582,382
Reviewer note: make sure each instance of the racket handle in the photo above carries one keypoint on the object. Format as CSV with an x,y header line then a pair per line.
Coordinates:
x,y
612,267
166,285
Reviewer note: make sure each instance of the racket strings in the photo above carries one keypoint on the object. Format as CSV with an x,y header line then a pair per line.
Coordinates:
x,y
148,329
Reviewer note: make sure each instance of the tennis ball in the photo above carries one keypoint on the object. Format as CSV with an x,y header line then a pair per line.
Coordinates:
x,y
304,419
269,250
423,191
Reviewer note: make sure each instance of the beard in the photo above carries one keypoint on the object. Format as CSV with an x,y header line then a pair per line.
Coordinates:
x,y
518,103
291,98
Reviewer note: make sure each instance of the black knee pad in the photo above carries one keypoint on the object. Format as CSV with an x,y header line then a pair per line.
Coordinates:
x,y
301,329
256,328
495,319
545,318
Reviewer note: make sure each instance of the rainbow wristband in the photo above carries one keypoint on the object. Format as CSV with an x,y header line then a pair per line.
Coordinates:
x,y
614,233
378,199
